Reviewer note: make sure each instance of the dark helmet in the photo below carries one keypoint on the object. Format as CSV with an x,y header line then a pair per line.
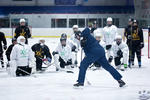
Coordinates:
x,y
62,39
131,19
14,39
64,35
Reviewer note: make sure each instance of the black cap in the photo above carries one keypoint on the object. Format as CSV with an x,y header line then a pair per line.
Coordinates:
x,y
64,35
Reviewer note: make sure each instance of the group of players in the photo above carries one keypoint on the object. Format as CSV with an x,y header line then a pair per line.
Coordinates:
x,y
21,58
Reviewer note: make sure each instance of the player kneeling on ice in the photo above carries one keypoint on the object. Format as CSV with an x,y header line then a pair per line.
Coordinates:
x,y
21,58
41,50
62,54
94,52
120,50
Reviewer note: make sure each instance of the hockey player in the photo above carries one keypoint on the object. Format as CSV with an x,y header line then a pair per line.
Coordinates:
x,y
74,45
73,36
120,50
128,36
21,58
22,30
94,52
41,50
62,54
4,46
109,33
137,42
94,27
8,51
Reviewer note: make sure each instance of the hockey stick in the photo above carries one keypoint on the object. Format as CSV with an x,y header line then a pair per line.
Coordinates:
x,y
27,73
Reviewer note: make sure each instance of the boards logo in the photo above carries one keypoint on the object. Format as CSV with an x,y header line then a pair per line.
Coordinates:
x,y
144,95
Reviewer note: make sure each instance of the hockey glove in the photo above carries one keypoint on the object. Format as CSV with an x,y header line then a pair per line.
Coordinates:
x,y
69,62
108,47
119,53
110,59
141,45
74,48
5,47
54,52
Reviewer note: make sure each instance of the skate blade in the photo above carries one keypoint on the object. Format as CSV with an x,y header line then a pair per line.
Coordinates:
x,y
79,87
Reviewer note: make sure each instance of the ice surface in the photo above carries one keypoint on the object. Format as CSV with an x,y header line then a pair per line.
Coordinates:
x,y
59,86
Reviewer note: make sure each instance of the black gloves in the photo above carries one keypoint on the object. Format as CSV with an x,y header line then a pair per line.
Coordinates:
x,y
83,42
5,47
110,59
108,47
74,48
69,62
119,53
54,52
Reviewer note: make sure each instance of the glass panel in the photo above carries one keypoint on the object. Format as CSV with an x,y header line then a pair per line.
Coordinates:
x,y
4,22
61,23
81,23
72,22
104,22
99,22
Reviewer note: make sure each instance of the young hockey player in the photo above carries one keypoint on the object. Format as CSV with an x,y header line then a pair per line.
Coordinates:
x,y
73,45
41,50
128,36
62,54
22,30
73,36
137,43
21,58
109,33
8,51
120,50
94,52
4,46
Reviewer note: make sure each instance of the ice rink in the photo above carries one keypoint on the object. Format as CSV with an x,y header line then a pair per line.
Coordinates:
x,y
59,86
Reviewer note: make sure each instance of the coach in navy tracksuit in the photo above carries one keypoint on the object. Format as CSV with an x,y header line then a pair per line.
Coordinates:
x,y
94,52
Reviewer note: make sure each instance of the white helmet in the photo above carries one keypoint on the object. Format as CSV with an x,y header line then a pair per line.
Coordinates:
x,y
75,26
118,37
109,19
19,40
22,20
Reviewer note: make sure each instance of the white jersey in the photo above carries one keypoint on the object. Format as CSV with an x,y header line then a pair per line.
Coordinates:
x,y
123,47
64,52
109,34
75,41
22,54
